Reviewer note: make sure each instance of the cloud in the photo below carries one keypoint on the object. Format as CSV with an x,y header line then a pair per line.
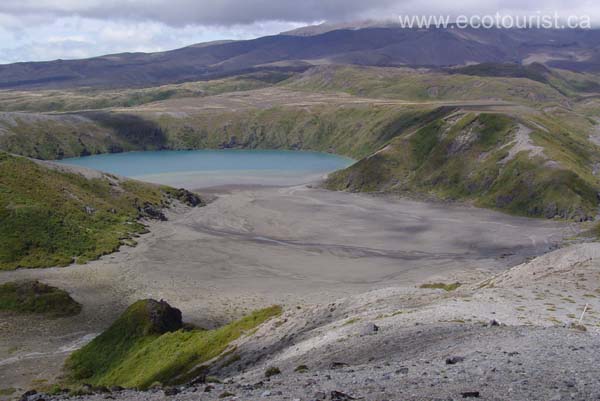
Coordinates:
x,y
244,12
35,30
77,37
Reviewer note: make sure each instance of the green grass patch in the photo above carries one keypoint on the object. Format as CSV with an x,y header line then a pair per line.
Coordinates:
x,y
441,286
35,297
129,356
7,391
54,218
301,369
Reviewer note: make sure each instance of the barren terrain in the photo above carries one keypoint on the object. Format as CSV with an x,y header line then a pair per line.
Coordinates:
x,y
260,246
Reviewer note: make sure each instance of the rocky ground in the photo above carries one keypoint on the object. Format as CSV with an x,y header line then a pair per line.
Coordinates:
x,y
518,335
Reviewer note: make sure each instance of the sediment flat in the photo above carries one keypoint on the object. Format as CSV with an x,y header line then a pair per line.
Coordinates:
x,y
253,247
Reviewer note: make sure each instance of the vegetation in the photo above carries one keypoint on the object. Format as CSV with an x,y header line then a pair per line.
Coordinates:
x,y
301,369
52,217
35,297
441,286
467,157
418,85
451,152
129,355
95,99
272,371
8,391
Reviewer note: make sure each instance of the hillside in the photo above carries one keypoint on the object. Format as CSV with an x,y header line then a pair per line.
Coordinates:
x,y
519,139
149,344
52,216
526,333
498,161
372,46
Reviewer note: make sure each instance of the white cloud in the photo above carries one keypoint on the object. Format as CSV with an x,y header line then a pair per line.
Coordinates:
x,y
76,37
49,29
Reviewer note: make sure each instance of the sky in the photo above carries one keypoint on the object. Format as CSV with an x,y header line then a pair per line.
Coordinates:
x,y
37,30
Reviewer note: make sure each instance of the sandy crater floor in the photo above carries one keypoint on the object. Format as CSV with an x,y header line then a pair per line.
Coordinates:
x,y
255,247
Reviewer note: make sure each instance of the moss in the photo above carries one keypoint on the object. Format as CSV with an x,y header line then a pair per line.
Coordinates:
x,y
36,297
441,286
127,355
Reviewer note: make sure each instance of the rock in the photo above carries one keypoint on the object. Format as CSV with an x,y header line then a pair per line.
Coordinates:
x,y
339,396
152,212
266,394
369,329
493,323
188,198
200,379
26,396
171,391
163,318
89,210
116,389
402,371
209,388
338,365
320,395
453,360
470,394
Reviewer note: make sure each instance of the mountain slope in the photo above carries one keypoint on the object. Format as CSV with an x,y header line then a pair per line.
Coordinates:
x,y
498,161
387,46
52,216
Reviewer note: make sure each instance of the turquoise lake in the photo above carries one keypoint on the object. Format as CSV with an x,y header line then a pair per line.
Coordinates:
x,y
208,168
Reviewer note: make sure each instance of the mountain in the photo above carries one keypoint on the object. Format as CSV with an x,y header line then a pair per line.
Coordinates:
x,y
577,50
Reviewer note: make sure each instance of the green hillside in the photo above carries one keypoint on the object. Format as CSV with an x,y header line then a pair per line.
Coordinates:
x,y
356,112
495,160
139,349
53,218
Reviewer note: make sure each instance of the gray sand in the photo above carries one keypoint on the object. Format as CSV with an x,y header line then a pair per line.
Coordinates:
x,y
255,247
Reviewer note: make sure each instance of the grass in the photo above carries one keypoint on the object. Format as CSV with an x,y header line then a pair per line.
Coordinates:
x,y
426,151
466,159
36,297
441,286
301,369
410,84
128,356
7,391
94,99
54,218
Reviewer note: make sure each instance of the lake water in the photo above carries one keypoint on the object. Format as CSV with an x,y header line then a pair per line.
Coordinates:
x,y
209,168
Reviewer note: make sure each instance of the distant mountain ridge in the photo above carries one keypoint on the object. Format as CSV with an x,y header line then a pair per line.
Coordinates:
x,y
577,50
